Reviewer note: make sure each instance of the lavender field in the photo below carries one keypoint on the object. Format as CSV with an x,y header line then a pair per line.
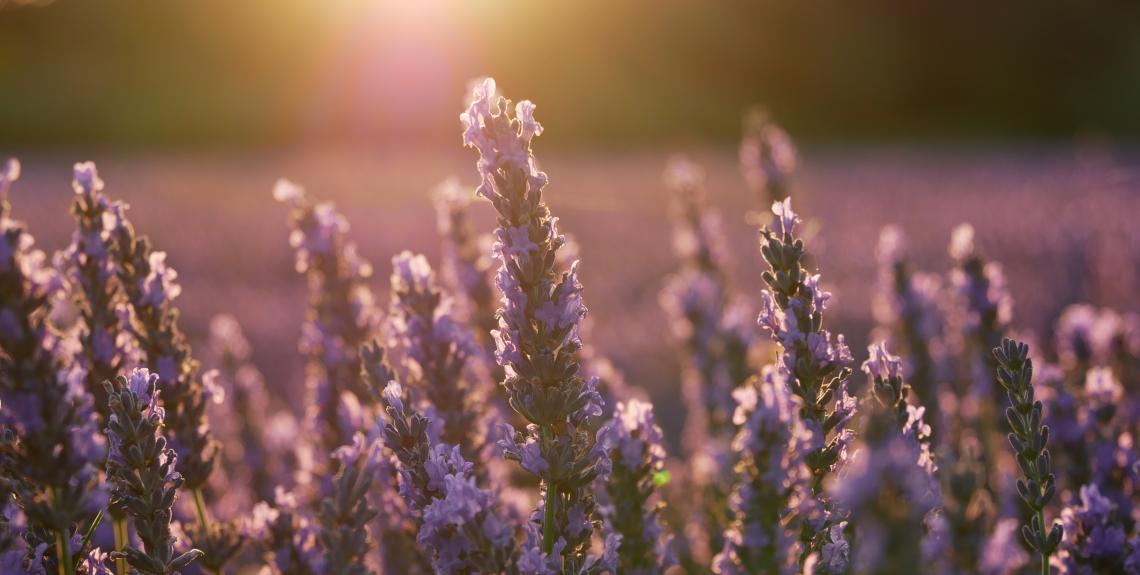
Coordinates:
x,y
1060,219
702,417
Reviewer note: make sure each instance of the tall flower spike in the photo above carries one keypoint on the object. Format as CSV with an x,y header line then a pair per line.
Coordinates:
x,y
341,317
890,489
537,341
816,365
151,287
772,500
93,265
767,158
346,512
289,536
141,470
51,445
632,509
1028,438
466,269
906,309
715,334
436,353
458,522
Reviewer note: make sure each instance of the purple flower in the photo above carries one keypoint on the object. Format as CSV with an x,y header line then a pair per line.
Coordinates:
x,y
634,444
142,471
48,427
767,157
538,329
436,354
809,360
1095,536
772,499
466,269
341,318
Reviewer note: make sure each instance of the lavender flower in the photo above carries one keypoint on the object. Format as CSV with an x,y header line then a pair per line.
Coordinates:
x,y
890,488
142,471
537,340
715,335
93,268
1095,540
437,351
1028,438
466,269
906,307
773,497
984,309
151,287
341,318
816,366
346,512
637,456
290,536
244,417
51,443
767,158
458,522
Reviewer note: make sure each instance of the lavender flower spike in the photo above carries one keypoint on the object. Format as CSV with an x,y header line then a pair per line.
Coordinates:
x,y
141,469
537,341
346,512
458,522
634,444
93,265
49,440
436,353
466,268
767,157
1029,437
772,500
342,315
816,366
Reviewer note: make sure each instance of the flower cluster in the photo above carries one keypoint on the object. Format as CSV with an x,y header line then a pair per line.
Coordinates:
x,y
631,509
466,266
342,316
1028,437
93,269
890,489
537,340
817,367
436,352
908,307
142,469
715,332
400,463
51,447
773,499
457,520
767,158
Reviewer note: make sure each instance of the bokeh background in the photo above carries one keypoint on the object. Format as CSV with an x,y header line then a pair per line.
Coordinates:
x,y
1020,117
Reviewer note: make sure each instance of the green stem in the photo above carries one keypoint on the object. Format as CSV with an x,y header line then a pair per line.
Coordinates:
x,y
548,518
121,539
200,506
91,530
1044,556
203,518
551,504
62,542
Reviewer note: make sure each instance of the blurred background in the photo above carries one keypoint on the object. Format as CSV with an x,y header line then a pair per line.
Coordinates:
x,y
1019,116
